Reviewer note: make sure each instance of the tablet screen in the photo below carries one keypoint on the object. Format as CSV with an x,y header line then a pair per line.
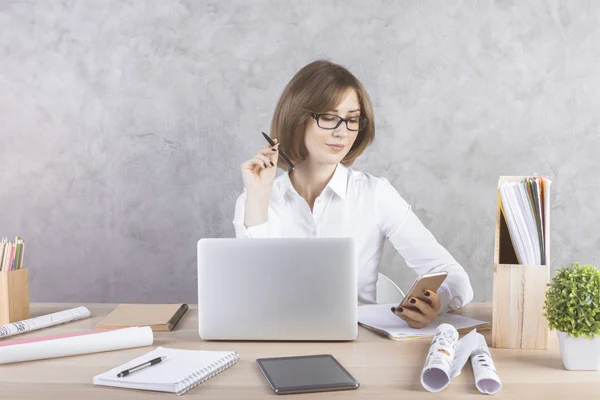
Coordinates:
x,y
306,373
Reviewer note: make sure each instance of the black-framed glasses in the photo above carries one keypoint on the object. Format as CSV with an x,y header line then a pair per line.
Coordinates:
x,y
331,121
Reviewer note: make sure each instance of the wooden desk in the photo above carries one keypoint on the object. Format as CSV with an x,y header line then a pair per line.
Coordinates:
x,y
384,368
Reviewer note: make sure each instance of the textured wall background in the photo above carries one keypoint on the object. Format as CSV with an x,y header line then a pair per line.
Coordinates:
x,y
123,125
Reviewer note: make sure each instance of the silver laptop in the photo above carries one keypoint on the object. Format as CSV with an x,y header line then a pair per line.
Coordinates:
x,y
277,289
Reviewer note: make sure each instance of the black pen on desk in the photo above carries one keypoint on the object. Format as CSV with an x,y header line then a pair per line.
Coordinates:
x,y
281,153
141,366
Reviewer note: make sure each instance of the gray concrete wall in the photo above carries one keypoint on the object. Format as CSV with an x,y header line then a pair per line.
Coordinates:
x,y
123,125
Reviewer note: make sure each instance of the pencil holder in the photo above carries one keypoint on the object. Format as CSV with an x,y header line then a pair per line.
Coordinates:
x,y
519,291
14,296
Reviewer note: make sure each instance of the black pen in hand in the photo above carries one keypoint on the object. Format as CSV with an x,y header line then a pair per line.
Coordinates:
x,y
141,366
281,153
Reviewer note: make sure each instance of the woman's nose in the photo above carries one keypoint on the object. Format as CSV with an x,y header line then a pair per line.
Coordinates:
x,y
341,130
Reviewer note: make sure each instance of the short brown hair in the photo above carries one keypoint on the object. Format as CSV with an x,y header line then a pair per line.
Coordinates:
x,y
318,87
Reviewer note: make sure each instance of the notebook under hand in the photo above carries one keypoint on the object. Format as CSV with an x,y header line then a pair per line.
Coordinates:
x,y
381,319
181,371
160,317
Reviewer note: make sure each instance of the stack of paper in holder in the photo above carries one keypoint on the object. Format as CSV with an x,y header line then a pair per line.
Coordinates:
x,y
525,210
448,355
381,319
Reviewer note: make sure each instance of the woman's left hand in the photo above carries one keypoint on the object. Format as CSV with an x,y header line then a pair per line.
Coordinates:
x,y
420,312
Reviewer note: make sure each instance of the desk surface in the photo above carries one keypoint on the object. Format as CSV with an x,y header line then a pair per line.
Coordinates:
x,y
385,369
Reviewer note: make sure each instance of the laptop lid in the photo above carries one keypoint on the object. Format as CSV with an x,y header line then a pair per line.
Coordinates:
x,y
277,289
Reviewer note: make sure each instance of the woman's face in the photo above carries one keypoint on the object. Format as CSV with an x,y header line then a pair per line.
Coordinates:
x,y
330,146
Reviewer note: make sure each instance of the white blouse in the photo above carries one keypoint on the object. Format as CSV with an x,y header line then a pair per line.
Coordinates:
x,y
368,209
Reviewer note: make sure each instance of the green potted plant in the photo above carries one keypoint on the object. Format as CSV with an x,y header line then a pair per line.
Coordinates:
x,y
572,307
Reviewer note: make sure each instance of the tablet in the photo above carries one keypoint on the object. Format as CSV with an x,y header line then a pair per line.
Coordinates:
x,y
302,374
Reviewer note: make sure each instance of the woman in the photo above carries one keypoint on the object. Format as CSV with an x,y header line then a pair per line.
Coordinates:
x,y
323,121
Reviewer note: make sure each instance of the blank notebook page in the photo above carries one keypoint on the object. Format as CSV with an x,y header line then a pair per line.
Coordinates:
x,y
178,373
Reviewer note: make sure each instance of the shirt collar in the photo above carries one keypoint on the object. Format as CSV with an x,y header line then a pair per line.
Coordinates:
x,y
338,182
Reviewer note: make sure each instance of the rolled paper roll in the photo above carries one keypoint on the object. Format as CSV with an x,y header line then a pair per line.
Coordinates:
x,y
484,371
39,349
437,372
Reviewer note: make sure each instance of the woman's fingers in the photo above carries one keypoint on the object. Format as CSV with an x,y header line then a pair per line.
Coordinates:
x,y
267,152
420,312
412,315
424,308
259,172
275,154
433,299
268,145
412,323
271,153
265,159
254,163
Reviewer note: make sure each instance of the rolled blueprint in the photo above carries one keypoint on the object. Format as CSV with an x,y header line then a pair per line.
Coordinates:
x,y
447,356
94,342
437,372
44,321
484,371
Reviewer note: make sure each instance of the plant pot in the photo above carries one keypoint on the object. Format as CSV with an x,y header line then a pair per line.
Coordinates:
x,y
579,354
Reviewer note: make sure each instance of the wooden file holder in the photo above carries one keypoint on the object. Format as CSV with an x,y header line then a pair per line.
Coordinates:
x,y
519,291
14,296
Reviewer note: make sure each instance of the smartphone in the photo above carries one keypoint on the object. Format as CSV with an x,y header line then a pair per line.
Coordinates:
x,y
431,281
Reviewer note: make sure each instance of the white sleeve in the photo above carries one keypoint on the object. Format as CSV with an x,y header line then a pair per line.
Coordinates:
x,y
418,247
257,231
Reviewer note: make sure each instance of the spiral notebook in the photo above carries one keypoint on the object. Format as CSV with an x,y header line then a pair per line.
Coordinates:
x,y
181,371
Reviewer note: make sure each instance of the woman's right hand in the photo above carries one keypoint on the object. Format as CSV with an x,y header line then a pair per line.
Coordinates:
x,y
259,174
259,171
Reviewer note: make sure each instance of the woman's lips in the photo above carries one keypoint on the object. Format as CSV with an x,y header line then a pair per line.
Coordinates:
x,y
336,147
